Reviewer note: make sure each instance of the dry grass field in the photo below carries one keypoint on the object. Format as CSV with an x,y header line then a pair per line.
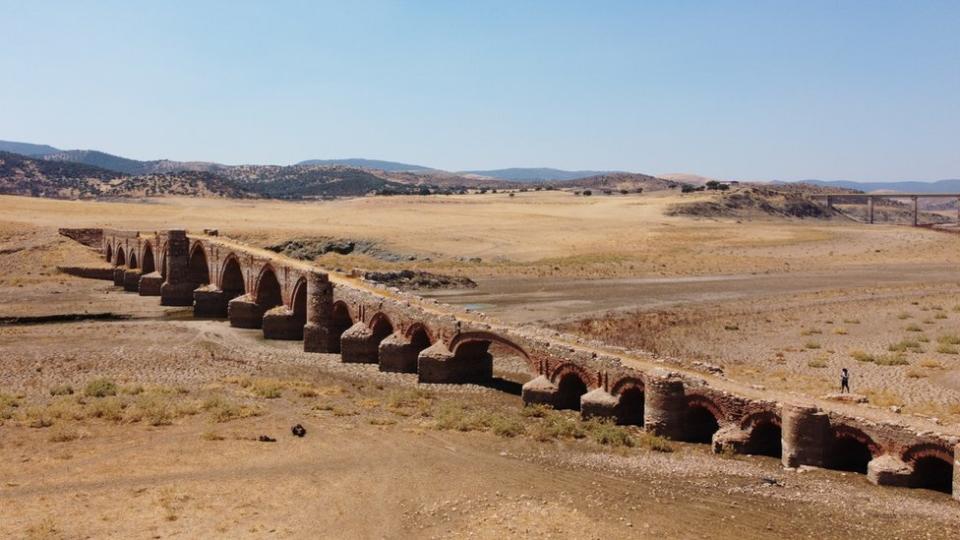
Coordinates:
x,y
149,425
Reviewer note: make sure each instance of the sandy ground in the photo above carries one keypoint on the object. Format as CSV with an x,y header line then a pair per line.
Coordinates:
x,y
174,452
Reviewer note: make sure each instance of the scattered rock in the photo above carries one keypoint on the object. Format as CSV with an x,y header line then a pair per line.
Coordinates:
x,y
298,430
847,398
266,438
416,279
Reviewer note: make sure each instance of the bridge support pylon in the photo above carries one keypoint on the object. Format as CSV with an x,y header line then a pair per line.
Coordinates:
x,y
664,407
437,364
806,436
177,290
316,334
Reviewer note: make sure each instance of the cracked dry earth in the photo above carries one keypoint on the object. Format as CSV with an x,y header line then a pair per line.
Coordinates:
x,y
173,449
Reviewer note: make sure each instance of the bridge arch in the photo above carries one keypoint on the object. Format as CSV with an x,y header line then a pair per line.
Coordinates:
x,y
232,282
132,262
198,269
148,264
109,252
572,382
381,326
298,302
851,450
340,321
766,434
702,419
267,292
121,257
419,331
419,336
932,467
631,402
163,261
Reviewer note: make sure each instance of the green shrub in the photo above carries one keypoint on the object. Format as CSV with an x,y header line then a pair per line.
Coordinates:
x,y
896,359
100,388
607,433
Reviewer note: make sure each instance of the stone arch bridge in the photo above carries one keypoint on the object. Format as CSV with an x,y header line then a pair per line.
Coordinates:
x,y
364,322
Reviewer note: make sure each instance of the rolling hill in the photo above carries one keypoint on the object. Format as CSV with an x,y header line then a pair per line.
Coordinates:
x,y
542,174
389,166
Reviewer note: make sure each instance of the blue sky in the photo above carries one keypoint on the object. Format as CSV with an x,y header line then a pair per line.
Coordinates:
x,y
752,90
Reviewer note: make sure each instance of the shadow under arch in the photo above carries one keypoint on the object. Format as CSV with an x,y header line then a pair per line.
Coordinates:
x,y
148,265
198,269
932,467
266,292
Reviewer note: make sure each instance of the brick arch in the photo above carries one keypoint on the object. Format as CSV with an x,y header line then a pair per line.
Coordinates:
x,y
381,326
267,290
851,449
843,431
132,260
340,320
198,265
109,252
121,257
926,450
148,262
298,298
569,368
231,277
625,383
163,261
466,338
706,402
751,421
419,326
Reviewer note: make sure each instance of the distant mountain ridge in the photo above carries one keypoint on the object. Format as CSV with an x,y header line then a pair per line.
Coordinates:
x,y
536,174
389,166
27,149
907,186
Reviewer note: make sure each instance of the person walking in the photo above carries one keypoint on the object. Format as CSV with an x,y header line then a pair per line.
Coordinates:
x,y
844,380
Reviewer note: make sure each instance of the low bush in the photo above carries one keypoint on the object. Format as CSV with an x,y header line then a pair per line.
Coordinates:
x,y
100,388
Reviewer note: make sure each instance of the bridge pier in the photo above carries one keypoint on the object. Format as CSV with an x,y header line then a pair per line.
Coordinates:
x,y
281,323
731,438
539,391
358,345
598,403
177,290
131,280
243,312
956,472
664,407
209,301
316,333
888,470
118,276
915,211
397,354
806,436
150,284
870,210
437,364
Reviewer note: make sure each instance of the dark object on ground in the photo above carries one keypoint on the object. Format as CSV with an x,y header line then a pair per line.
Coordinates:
x,y
771,481
266,438
415,279
298,430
